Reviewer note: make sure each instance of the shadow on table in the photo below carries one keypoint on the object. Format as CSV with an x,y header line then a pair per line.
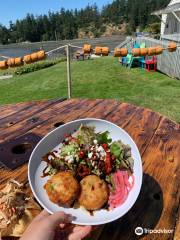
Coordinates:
x,y
145,214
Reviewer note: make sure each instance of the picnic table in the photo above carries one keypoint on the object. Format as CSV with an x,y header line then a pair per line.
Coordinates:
x,y
22,125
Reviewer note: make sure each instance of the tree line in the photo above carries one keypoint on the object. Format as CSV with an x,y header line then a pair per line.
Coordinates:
x,y
66,24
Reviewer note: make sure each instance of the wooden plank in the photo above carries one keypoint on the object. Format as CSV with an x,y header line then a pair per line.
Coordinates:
x,y
142,127
157,204
70,108
30,110
83,108
25,125
157,139
177,226
7,110
101,107
140,123
164,166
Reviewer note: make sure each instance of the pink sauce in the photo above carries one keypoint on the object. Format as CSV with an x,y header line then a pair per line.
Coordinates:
x,y
123,185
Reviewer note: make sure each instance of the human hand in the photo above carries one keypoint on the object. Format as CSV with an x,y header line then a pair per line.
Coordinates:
x,y
55,226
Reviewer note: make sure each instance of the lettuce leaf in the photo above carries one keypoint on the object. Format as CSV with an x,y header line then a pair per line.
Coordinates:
x,y
86,134
103,138
117,150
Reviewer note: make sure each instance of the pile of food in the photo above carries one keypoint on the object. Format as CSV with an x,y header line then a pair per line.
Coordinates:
x,y
90,169
16,210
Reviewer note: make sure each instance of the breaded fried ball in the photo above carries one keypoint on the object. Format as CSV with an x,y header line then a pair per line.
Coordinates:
x,y
94,192
62,188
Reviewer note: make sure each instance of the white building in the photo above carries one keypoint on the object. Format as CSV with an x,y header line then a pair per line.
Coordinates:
x,y
170,21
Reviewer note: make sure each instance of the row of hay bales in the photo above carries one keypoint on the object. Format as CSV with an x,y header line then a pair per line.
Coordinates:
x,y
122,52
87,49
104,51
19,61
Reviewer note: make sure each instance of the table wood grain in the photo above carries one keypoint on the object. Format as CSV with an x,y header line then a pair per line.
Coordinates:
x,y
157,138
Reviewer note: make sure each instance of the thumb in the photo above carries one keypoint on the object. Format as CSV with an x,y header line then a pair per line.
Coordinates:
x,y
59,217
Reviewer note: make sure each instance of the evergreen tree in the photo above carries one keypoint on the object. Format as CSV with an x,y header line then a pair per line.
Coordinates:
x,y
65,24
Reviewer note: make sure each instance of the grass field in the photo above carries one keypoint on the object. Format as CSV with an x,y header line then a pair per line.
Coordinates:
x,y
99,78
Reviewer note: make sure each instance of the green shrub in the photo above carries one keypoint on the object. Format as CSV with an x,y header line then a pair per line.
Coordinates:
x,y
37,66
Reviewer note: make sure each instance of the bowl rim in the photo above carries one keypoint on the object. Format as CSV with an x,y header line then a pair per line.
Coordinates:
x,y
79,120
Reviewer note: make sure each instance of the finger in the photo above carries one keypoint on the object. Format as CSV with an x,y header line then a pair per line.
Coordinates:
x,y
59,217
80,232
42,215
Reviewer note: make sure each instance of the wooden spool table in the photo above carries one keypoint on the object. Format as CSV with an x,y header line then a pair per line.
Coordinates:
x,y
158,139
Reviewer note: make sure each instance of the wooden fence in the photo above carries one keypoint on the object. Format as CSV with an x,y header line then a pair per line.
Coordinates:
x,y
168,63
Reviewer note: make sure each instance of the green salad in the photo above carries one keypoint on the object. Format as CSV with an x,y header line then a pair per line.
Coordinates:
x,y
88,152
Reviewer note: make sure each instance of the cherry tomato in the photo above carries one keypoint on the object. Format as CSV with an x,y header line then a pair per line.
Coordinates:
x,y
104,145
81,154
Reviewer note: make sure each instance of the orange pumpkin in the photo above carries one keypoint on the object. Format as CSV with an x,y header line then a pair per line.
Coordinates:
x,y
136,52
120,52
159,50
11,62
27,59
87,48
172,47
18,61
143,51
34,57
3,65
98,50
41,55
105,51
151,51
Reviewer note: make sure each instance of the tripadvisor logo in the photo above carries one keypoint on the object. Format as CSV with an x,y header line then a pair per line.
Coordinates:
x,y
139,231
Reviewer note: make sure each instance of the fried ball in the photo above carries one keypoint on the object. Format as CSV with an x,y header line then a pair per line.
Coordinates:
x,y
94,192
62,188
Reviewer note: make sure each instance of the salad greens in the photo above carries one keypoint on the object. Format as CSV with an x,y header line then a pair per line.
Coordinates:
x,y
103,138
87,152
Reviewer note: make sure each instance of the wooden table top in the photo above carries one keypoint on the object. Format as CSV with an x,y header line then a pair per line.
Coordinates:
x,y
157,138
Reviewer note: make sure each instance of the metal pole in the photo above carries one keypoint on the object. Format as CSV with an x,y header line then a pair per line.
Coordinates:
x,y
68,70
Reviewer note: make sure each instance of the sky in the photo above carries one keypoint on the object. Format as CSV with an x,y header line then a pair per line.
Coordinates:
x,y
17,9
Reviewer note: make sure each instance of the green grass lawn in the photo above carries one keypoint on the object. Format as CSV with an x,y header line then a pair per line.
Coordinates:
x,y
99,78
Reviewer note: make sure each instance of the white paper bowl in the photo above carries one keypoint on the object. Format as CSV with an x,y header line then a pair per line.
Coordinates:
x,y
51,140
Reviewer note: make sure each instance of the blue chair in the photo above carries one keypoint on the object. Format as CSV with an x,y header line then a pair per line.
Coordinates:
x,y
126,61
136,45
142,60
